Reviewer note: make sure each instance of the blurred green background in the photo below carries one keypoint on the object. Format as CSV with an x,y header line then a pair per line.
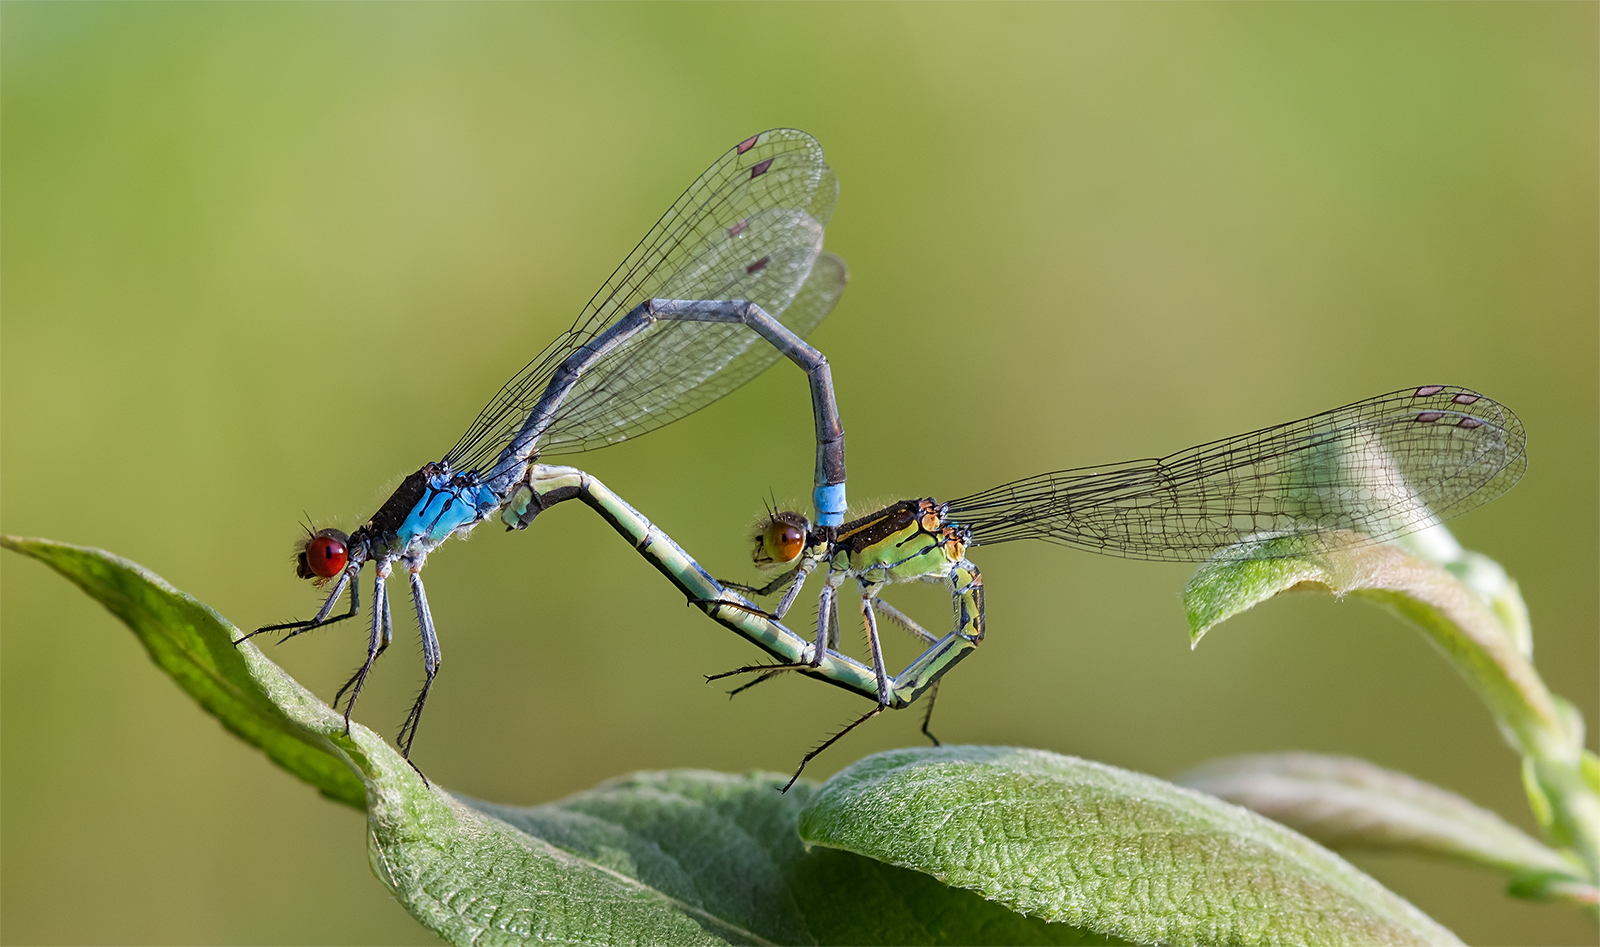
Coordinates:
x,y
261,260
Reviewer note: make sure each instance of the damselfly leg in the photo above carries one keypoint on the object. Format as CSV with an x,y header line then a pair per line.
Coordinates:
x,y
348,579
378,640
430,659
816,751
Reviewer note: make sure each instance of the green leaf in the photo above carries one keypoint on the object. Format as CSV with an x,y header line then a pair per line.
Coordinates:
x,y
1457,620
1471,613
728,845
1243,576
194,645
1347,803
662,858
470,878
1115,852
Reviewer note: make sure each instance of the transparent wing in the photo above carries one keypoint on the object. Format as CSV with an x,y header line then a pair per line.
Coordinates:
x,y
749,228
680,367
1383,467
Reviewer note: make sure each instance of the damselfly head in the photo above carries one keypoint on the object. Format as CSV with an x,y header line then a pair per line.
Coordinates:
x,y
322,555
780,538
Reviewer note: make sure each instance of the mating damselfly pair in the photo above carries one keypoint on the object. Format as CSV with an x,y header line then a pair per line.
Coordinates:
x,y
732,278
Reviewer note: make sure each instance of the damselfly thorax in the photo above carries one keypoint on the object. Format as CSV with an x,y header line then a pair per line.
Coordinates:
x,y
904,541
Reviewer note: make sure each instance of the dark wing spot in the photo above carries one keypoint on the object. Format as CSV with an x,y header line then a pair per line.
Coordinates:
x,y
1428,417
1469,423
760,168
747,144
758,265
739,227
1427,390
1465,398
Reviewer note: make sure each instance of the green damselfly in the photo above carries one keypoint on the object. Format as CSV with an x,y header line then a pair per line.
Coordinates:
x,y
1368,472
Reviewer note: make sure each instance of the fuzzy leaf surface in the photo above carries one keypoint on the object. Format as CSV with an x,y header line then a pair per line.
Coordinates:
x,y
1116,852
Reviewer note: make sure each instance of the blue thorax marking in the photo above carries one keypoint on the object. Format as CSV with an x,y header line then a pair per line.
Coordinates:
x,y
444,508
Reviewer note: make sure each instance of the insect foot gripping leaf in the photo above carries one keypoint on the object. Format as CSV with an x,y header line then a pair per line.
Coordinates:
x,y
1119,853
1473,613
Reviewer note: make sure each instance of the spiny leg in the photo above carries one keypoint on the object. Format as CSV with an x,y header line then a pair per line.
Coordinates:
x,y
868,593
827,636
777,583
430,663
927,718
377,641
801,573
388,621
796,579
904,621
883,687
770,671
966,601
753,668
833,623
827,622
321,618
830,742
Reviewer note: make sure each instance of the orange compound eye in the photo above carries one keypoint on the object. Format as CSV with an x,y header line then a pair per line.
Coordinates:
x,y
325,555
784,541
780,539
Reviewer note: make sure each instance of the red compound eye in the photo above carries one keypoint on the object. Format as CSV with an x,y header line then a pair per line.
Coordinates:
x,y
325,556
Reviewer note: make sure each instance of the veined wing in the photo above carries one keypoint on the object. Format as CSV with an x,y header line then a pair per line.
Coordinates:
x,y
1383,467
749,228
677,368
